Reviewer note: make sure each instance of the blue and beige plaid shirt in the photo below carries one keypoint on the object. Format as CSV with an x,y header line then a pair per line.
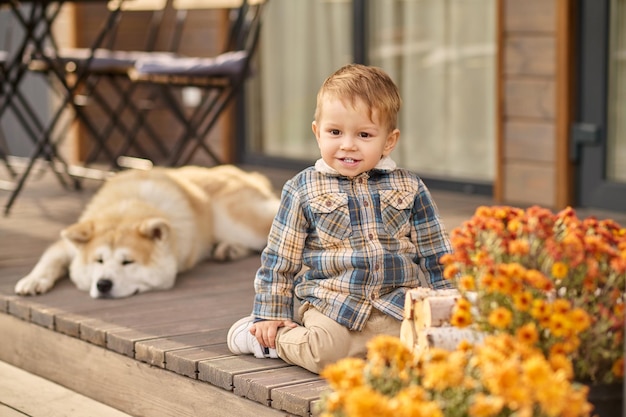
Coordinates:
x,y
363,241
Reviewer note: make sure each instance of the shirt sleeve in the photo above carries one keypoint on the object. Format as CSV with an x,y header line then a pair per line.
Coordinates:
x,y
431,238
281,260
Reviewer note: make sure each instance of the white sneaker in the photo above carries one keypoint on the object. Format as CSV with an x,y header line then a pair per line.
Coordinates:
x,y
241,341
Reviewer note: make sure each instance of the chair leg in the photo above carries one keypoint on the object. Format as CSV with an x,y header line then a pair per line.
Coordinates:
x,y
28,119
209,117
125,93
4,153
191,125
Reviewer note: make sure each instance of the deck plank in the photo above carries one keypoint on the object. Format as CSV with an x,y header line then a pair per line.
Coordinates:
x,y
185,361
298,399
123,341
258,386
154,351
222,371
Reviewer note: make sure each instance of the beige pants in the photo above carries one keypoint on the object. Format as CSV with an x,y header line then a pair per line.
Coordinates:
x,y
321,341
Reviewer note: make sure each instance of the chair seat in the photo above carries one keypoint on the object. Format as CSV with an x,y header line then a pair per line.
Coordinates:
x,y
104,61
229,64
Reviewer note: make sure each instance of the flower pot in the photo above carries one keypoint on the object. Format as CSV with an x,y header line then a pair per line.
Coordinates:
x,y
607,399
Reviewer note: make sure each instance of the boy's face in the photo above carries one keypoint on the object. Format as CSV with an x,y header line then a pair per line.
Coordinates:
x,y
349,141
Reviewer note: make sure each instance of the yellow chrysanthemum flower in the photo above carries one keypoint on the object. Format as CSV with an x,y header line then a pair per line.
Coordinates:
x,y
527,334
561,306
366,402
347,373
467,283
500,317
560,362
559,270
461,318
559,325
540,309
486,405
389,350
523,300
579,319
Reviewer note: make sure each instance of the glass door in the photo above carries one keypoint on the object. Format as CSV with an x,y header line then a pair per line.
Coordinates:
x,y
599,132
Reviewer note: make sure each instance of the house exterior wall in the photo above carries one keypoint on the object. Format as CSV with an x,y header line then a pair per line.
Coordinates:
x,y
534,93
534,84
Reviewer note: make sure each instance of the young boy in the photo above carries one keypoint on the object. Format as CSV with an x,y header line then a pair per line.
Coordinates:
x,y
363,229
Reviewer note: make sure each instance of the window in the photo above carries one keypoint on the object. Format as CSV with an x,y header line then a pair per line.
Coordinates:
x,y
441,53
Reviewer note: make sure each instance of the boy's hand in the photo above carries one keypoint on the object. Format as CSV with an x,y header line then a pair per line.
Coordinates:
x,y
265,331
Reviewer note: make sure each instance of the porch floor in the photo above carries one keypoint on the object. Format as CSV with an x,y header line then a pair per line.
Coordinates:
x,y
154,354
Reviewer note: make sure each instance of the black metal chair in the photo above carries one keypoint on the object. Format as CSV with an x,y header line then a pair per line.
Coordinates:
x,y
220,78
38,41
102,91
13,99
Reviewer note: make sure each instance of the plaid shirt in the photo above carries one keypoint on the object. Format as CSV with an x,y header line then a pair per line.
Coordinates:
x,y
364,242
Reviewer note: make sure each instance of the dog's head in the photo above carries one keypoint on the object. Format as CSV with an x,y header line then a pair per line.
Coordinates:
x,y
119,259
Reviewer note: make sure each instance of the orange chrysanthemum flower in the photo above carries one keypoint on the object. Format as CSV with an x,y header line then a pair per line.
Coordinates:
x,y
564,275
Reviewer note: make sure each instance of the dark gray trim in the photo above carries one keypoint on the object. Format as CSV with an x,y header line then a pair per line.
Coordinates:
x,y
592,187
359,37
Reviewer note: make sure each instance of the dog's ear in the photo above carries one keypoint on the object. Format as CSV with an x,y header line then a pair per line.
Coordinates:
x,y
78,233
155,228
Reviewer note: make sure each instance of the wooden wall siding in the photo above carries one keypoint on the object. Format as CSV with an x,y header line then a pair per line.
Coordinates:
x,y
537,183
530,16
204,35
530,141
530,55
527,109
531,98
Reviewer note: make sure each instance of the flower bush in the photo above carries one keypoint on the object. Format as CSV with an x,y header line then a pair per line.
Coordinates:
x,y
500,377
551,280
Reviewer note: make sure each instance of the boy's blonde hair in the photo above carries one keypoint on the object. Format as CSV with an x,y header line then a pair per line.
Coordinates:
x,y
370,84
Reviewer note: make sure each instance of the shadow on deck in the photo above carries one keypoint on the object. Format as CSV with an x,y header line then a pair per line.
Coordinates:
x,y
155,354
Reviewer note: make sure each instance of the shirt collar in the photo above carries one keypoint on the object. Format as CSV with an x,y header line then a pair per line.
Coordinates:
x,y
386,164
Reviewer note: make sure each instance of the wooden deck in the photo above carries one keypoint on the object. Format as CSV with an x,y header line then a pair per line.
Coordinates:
x,y
155,354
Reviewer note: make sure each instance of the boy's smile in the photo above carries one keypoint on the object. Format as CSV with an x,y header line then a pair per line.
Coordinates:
x,y
350,141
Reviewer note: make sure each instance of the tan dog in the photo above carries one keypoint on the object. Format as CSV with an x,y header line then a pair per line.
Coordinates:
x,y
144,227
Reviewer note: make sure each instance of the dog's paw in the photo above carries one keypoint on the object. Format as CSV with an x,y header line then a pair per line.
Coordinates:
x,y
32,285
229,252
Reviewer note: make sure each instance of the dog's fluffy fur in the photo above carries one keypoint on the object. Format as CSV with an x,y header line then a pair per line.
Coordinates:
x,y
144,227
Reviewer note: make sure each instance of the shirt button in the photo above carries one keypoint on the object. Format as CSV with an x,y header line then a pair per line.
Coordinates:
x,y
329,203
371,236
399,201
366,204
376,267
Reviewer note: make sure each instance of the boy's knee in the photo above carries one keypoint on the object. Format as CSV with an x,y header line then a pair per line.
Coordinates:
x,y
328,351
313,348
